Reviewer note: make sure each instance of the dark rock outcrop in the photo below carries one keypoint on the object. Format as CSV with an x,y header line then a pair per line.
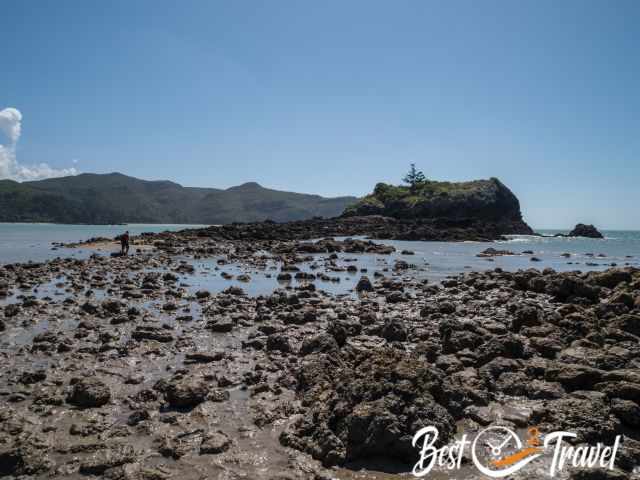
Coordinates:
x,y
184,392
582,230
487,202
89,393
389,396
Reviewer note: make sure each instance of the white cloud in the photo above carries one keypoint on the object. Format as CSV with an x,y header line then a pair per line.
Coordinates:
x,y
11,123
11,127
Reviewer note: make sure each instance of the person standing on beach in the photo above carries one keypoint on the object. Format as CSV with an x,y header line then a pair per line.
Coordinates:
x,y
124,243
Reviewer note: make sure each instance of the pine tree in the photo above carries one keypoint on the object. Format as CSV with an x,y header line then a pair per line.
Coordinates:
x,y
414,178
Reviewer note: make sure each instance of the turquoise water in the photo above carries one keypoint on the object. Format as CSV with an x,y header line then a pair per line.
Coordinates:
x,y
21,242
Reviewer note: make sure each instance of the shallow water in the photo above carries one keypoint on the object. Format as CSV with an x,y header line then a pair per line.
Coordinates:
x,y
432,261
21,242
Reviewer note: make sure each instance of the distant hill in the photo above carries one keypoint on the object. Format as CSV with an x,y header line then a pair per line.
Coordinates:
x,y
116,198
477,201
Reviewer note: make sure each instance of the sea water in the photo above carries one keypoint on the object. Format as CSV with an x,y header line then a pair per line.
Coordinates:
x,y
21,242
433,260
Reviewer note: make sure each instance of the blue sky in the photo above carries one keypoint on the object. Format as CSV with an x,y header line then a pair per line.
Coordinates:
x,y
331,97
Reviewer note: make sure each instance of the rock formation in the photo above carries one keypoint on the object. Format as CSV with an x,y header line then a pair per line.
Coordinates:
x,y
478,203
582,230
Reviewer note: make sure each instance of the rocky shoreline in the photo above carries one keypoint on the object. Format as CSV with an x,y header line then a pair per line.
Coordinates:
x,y
114,367
372,226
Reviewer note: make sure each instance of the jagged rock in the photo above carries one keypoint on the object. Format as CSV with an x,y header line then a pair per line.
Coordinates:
x,y
321,343
151,333
340,330
627,411
221,324
214,443
395,297
428,211
387,399
36,376
526,316
612,278
566,288
598,473
89,308
112,306
113,456
620,389
492,252
582,230
203,357
138,416
11,310
185,393
18,459
394,330
628,323
278,342
236,291
574,377
586,415
89,392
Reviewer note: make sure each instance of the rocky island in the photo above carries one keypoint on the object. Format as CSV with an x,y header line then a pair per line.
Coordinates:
x,y
486,207
582,230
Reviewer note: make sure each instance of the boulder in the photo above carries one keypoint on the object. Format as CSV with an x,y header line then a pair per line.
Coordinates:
x,y
111,306
89,392
111,457
278,342
220,325
589,416
11,310
389,397
492,252
185,393
582,230
151,333
612,277
214,443
627,411
394,330
322,343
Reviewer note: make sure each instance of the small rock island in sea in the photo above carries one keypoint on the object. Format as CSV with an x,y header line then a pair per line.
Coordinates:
x,y
582,230
431,210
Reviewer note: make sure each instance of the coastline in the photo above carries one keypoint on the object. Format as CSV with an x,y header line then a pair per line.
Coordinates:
x,y
125,352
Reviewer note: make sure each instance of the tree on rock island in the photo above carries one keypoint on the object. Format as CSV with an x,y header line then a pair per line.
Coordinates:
x,y
414,178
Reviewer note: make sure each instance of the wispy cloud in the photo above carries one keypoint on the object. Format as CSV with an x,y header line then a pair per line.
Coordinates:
x,y
11,128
